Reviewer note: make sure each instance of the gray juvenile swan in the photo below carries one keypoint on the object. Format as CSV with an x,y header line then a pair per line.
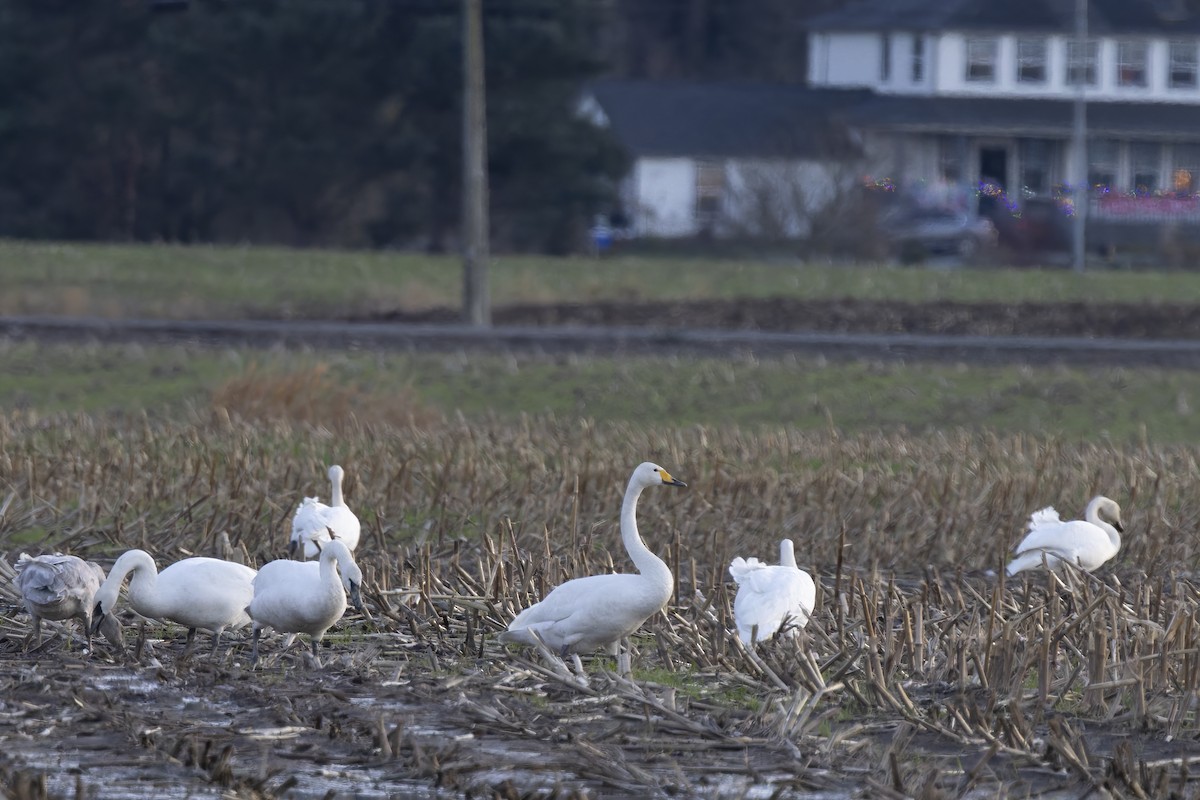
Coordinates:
x,y
205,593
1086,543
598,611
61,587
305,596
314,521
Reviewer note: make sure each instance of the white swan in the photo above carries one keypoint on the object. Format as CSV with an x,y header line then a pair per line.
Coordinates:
x,y
768,595
305,596
1086,543
61,587
198,592
313,520
600,610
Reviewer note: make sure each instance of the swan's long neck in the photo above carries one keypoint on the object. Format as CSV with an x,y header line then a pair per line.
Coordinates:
x,y
787,553
143,577
1092,515
643,558
335,493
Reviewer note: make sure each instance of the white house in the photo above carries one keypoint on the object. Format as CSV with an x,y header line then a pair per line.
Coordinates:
x,y
980,95
966,100
729,159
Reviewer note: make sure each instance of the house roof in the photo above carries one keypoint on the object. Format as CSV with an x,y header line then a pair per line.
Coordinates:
x,y
1022,117
1105,17
678,118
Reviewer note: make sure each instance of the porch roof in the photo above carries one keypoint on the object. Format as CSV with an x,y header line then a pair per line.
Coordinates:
x,y
1105,17
1024,117
726,120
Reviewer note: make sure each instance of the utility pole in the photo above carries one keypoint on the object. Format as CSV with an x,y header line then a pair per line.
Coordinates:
x,y
1082,191
476,302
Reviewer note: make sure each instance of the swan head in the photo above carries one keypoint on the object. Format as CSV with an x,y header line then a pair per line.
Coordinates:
x,y
1109,509
650,474
336,474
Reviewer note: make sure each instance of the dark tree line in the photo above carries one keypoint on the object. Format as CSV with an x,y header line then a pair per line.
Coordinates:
x,y
336,122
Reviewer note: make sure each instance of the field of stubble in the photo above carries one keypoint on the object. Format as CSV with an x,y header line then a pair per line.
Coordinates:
x,y
922,674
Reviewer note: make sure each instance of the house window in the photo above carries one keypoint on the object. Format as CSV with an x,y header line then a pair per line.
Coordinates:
x,y
918,58
1031,60
981,60
1037,159
1081,62
1145,159
885,59
1182,62
1103,155
710,187
1131,63
1185,178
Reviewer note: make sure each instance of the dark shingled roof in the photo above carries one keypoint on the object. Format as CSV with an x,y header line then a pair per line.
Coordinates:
x,y
676,118
1020,117
1105,17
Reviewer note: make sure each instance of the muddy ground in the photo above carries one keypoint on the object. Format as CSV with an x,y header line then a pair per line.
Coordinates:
x,y
433,710
1120,320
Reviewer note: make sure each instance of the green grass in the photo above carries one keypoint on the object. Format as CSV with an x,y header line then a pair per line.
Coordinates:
x,y
173,381
171,281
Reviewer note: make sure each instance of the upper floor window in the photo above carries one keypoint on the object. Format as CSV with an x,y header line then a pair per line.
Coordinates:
x,y
981,59
1031,60
885,59
1131,63
1182,65
918,58
1081,62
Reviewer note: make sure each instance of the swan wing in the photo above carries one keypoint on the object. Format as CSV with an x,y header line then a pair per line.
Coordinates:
x,y
768,596
1077,541
310,525
344,524
588,612
741,568
55,579
207,593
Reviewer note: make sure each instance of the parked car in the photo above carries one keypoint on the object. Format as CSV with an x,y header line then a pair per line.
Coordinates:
x,y
915,234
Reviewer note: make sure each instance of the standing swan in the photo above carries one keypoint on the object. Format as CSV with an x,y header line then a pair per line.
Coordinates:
x,y
62,587
1086,543
600,610
203,593
313,520
769,595
305,596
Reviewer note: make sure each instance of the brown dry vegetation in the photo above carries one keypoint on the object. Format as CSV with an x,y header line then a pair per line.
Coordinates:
x,y
920,675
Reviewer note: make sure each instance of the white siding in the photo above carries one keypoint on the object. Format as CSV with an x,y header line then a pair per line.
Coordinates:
x,y
665,192
777,199
853,60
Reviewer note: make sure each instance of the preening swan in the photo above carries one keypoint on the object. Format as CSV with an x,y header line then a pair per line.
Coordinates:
x,y
1087,543
60,587
314,520
600,610
305,596
768,595
203,593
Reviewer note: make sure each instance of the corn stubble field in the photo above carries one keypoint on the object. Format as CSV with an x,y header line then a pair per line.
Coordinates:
x,y
922,673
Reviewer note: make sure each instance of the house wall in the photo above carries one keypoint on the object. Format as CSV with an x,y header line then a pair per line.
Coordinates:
x,y
762,197
775,199
663,197
846,59
853,60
